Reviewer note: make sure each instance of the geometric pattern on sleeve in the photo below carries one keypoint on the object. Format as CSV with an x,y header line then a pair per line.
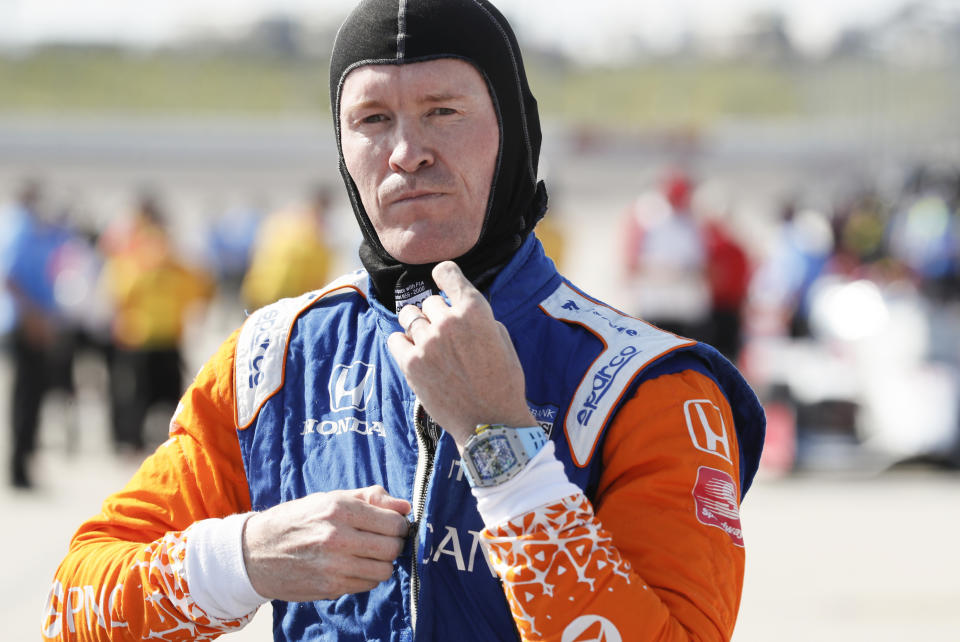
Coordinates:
x,y
162,569
556,546
160,606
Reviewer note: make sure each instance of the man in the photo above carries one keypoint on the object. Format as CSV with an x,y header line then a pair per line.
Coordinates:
x,y
292,253
40,339
665,258
606,491
153,293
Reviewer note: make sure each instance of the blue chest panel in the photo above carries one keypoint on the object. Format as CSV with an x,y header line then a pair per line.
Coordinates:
x,y
343,417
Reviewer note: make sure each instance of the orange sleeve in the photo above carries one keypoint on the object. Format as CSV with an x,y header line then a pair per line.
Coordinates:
x,y
660,556
123,576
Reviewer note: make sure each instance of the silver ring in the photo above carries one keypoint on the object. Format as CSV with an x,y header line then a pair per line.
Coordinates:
x,y
419,317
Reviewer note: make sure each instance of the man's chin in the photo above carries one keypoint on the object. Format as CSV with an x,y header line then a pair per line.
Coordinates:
x,y
424,250
424,259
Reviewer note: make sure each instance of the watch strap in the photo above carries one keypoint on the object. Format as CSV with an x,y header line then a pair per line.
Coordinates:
x,y
533,438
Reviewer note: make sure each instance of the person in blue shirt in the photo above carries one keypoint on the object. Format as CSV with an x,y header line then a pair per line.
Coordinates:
x,y
38,328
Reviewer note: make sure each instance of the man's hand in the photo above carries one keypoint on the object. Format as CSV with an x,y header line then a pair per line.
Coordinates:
x,y
460,360
325,545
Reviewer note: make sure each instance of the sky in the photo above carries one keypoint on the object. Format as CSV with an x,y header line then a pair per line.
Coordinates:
x,y
591,26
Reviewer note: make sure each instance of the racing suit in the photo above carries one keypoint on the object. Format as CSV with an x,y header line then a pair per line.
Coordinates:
x,y
656,439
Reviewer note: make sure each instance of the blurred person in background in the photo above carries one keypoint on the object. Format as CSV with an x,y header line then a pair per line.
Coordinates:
x,y
153,294
231,237
552,236
291,254
728,276
924,232
665,258
801,253
79,289
40,340
860,224
351,454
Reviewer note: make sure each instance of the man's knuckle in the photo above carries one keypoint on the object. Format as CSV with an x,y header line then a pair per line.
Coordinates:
x,y
442,324
473,303
338,510
327,537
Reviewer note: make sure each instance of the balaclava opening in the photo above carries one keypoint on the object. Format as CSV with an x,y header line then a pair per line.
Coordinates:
x,y
396,32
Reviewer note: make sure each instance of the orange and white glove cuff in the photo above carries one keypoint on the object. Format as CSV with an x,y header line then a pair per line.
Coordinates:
x,y
542,481
216,573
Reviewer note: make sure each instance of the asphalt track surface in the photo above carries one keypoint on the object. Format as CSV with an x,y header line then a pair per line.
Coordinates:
x,y
844,556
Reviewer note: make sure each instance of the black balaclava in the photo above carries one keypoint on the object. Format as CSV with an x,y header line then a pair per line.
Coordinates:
x,y
396,32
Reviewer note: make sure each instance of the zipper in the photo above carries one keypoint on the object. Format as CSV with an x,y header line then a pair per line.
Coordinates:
x,y
426,449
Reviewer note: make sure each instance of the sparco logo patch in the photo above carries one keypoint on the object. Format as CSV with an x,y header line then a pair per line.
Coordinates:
x,y
259,345
603,382
706,427
591,628
351,386
715,495
628,345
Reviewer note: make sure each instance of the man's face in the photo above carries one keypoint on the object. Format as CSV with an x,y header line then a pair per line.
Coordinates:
x,y
420,141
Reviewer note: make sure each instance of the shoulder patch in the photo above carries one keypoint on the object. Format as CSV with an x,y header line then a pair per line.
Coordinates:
x,y
706,427
715,497
262,344
629,345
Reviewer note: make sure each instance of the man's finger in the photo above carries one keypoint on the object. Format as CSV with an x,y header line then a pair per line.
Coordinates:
x,y
378,496
384,522
407,314
353,585
412,320
387,520
373,546
399,345
450,279
435,308
367,570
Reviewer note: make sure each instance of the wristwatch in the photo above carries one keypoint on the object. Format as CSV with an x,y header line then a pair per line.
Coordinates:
x,y
496,453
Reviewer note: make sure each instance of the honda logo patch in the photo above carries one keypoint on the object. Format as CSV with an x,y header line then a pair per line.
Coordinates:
x,y
706,427
350,386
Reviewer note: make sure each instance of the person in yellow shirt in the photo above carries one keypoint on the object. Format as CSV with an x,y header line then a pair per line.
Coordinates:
x,y
153,292
291,255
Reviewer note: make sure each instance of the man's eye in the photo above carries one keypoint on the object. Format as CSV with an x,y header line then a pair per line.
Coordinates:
x,y
442,111
373,118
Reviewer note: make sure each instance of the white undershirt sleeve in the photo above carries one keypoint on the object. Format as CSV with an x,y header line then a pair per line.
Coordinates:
x,y
542,481
216,574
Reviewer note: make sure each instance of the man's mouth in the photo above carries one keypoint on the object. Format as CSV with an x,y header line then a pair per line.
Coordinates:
x,y
414,196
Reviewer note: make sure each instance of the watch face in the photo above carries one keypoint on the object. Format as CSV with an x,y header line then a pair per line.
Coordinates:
x,y
492,457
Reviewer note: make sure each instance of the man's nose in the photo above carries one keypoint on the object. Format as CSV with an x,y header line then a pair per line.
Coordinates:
x,y
411,150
